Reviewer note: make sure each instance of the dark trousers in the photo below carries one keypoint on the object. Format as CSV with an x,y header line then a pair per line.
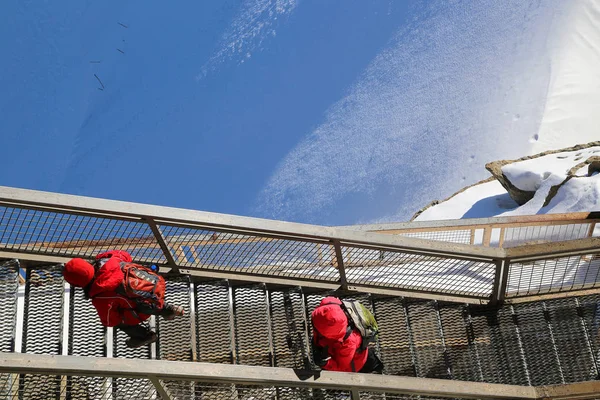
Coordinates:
x,y
373,363
137,332
141,332
152,309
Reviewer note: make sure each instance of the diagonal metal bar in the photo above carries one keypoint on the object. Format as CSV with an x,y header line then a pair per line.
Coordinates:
x,y
340,264
160,388
161,242
500,281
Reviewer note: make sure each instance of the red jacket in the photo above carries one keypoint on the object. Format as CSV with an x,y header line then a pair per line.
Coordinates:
x,y
113,309
331,323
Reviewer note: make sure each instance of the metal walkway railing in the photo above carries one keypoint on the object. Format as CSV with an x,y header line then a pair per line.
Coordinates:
x,y
501,232
254,250
248,286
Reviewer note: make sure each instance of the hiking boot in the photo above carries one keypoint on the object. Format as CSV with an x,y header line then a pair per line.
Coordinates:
x,y
133,343
170,312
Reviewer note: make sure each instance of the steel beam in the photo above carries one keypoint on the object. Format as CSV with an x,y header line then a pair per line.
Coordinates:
x,y
553,250
584,290
264,376
571,391
25,258
420,294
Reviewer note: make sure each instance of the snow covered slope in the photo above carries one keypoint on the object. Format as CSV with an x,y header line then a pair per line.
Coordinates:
x,y
569,117
576,187
573,96
462,85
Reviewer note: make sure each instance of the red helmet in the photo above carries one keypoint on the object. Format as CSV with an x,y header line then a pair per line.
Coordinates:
x,y
329,319
78,272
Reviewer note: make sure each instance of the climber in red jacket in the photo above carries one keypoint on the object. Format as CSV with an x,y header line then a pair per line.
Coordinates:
x,y
336,345
103,282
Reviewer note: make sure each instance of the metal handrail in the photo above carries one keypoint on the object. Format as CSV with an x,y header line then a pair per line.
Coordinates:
x,y
500,226
184,373
338,258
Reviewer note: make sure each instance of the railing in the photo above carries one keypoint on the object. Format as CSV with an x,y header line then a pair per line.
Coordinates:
x,y
39,225
503,232
96,376
231,322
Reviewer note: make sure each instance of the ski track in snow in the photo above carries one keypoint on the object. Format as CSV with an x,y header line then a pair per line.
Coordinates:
x,y
254,23
425,116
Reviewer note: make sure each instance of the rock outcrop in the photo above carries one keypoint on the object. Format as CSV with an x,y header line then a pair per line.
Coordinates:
x,y
522,196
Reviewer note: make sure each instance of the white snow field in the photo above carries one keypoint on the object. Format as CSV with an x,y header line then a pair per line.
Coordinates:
x,y
463,85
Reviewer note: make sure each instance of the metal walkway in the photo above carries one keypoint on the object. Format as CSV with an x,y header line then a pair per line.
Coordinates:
x,y
249,286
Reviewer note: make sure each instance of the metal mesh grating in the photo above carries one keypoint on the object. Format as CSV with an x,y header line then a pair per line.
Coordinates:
x,y
568,330
9,285
463,236
37,387
214,325
175,336
498,345
537,339
44,298
87,387
87,335
252,333
394,339
429,349
134,389
418,272
213,391
589,311
459,355
87,338
250,253
289,327
73,235
125,388
522,235
553,275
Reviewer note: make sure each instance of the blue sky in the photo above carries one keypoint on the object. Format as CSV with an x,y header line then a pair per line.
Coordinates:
x,y
325,112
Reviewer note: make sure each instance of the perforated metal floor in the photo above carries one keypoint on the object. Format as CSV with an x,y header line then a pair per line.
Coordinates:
x,y
542,343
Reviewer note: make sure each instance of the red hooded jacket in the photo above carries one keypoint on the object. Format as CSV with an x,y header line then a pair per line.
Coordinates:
x,y
330,323
113,309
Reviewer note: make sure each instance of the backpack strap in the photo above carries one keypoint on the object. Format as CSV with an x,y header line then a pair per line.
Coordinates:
x,y
348,332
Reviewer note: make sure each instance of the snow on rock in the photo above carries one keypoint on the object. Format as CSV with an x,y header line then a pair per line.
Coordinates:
x,y
482,200
522,177
577,194
562,181
529,174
